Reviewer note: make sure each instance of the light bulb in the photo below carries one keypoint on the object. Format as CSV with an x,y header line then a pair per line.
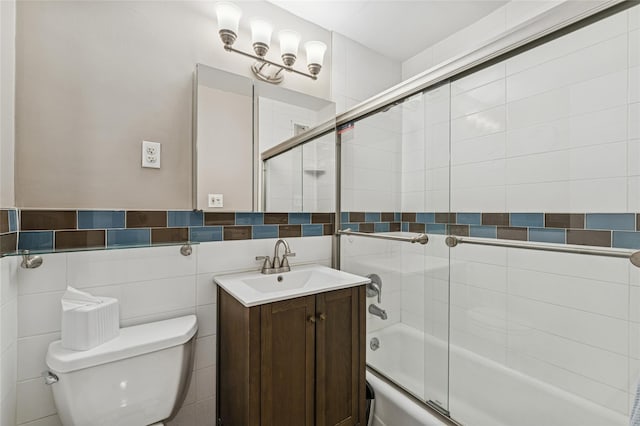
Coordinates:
x,y
261,36
315,55
289,41
228,21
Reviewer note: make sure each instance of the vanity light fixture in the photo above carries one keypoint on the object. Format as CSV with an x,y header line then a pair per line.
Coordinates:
x,y
228,22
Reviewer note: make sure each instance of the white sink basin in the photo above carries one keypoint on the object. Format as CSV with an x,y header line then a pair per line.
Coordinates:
x,y
254,288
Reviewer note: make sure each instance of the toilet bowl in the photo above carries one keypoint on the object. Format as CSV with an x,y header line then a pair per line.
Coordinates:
x,y
139,378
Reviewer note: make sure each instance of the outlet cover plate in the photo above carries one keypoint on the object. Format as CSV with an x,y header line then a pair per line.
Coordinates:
x,y
151,154
216,200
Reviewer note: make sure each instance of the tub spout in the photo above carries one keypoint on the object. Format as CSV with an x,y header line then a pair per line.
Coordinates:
x,y
377,311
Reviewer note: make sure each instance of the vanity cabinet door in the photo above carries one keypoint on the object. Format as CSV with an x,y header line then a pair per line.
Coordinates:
x,y
288,330
340,364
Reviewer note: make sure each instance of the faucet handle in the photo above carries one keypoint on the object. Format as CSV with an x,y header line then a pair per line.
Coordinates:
x,y
267,261
290,254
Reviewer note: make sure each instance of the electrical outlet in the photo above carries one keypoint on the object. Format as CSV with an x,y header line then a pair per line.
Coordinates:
x,y
216,200
151,154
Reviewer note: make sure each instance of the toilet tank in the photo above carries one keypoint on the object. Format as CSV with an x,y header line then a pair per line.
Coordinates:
x,y
138,378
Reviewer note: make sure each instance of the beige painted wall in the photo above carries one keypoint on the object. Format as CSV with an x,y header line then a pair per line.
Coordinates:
x,y
94,79
225,148
7,92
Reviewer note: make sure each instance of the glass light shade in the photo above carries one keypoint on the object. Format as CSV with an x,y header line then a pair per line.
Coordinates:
x,y
261,31
228,16
289,41
315,52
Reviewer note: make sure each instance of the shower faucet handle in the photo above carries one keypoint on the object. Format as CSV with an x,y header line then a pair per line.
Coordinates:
x,y
374,288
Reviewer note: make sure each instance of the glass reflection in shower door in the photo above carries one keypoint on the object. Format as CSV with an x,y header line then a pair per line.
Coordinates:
x,y
392,183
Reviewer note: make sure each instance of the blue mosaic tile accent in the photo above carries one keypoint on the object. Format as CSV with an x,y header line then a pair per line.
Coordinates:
x,y
613,221
436,228
312,230
13,220
354,226
128,237
542,235
469,218
483,231
35,240
344,217
264,231
185,218
249,218
628,240
299,218
205,234
405,226
371,217
397,217
100,219
425,217
531,220
381,227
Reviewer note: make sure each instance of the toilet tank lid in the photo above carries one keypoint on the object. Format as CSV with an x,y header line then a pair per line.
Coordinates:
x,y
132,341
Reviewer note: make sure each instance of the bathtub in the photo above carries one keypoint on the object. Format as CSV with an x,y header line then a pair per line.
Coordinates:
x,y
394,408
481,392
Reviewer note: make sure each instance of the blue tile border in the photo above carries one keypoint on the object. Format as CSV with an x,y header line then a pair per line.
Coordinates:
x,y
625,239
249,218
128,237
425,217
185,218
611,221
372,217
483,231
299,218
381,227
532,226
264,231
35,240
312,230
101,219
529,220
13,220
469,218
203,234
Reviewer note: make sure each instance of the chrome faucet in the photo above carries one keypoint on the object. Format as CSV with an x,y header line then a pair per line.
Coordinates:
x,y
377,311
275,265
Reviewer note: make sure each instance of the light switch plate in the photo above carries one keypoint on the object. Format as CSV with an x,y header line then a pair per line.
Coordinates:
x,y
151,154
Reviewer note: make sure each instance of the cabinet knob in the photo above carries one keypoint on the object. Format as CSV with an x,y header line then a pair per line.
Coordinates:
x,y
322,317
311,318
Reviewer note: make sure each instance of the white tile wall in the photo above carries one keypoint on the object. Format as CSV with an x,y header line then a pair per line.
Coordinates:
x,y
151,284
8,339
559,123
562,319
358,73
371,163
288,187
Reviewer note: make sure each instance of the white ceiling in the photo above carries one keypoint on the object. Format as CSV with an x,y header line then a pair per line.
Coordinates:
x,y
398,29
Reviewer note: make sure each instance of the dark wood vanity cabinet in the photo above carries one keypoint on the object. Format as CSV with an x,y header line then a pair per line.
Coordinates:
x,y
297,362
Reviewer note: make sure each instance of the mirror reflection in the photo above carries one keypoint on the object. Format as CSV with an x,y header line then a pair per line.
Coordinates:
x,y
236,119
302,179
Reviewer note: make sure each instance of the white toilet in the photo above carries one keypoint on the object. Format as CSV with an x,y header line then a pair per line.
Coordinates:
x,y
139,378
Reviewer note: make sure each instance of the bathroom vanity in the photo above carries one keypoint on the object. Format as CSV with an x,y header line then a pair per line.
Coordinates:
x,y
295,361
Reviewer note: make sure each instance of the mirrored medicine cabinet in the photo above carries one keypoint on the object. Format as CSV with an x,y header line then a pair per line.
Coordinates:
x,y
238,122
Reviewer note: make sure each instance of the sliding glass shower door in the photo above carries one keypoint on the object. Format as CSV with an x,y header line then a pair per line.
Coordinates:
x,y
394,178
523,308
544,151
